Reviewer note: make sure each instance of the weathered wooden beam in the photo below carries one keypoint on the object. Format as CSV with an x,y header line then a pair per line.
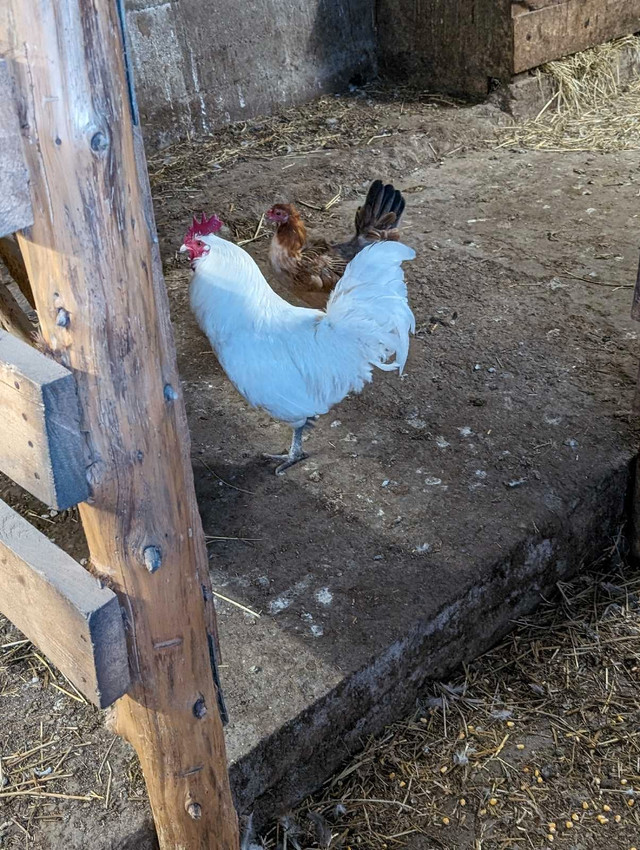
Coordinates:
x,y
455,46
560,29
12,316
93,253
63,609
15,200
41,446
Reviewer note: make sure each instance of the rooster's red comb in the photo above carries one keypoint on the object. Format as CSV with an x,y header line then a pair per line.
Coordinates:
x,y
203,227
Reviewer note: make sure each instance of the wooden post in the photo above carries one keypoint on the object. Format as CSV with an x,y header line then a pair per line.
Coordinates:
x,y
93,262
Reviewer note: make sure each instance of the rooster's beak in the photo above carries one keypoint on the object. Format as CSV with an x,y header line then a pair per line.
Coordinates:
x,y
183,248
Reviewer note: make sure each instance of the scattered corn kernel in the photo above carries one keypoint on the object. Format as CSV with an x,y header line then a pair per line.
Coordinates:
x,y
623,782
575,816
402,784
519,746
597,780
585,805
551,826
463,802
493,802
539,780
482,812
471,728
392,776
549,838
536,772
631,802
617,818
569,824
443,769
526,770
606,808
510,724
446,821
602,819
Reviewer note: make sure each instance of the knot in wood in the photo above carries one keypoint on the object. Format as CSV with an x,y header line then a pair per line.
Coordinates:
x,y
152,558
194,810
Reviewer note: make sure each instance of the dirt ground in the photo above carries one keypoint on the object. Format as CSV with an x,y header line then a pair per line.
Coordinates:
x,y
524,360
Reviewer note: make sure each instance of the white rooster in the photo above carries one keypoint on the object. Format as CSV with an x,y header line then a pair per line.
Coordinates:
x,y
296,362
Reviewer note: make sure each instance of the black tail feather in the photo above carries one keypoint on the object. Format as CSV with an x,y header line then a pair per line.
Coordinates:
x,y
382,209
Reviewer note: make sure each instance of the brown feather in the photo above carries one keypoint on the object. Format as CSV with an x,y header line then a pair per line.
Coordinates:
x,y
312,267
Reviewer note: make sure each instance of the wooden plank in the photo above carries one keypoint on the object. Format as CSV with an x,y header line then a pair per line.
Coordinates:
x,y
93,251
41,445
560,29
63,610
15,199
455,46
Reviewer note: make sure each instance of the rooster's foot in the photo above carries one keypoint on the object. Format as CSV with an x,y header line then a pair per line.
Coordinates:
x,y
289,462
295,453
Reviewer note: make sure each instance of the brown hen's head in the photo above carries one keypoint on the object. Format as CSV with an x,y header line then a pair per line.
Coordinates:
x,y
281,213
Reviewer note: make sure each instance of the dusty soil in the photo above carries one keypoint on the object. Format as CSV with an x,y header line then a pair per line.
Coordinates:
x,y
519,388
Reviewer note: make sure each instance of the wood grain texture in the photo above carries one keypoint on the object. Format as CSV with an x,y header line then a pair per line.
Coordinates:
x,y
560,29
41,446
12,316
12,258
63,609
455,46
15,201
142,525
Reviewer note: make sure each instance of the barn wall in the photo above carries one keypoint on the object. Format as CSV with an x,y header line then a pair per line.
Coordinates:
x,y
201,63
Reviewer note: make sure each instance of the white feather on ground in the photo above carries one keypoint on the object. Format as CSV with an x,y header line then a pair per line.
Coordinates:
x,y
295,362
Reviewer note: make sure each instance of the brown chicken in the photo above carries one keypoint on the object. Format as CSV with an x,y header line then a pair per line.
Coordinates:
x,y
311,266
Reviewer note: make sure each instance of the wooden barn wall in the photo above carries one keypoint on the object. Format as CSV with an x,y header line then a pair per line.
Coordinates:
x,y
455,46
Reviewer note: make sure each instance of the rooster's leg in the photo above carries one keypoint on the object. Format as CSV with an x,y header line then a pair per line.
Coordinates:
x,y
295,453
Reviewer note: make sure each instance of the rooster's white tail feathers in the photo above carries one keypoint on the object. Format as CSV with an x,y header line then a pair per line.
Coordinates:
x,y
370,303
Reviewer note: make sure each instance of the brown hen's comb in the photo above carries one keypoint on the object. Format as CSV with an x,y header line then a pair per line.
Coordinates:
x,y
203,227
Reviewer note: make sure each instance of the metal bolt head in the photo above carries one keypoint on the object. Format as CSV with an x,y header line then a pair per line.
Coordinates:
x,y
99,142
194,810
152,558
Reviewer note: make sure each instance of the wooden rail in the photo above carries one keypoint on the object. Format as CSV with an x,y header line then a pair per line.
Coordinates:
x,y
555,29
41,446
63,610
93,261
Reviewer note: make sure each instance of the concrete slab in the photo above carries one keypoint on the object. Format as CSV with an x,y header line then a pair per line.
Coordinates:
x,y
436,509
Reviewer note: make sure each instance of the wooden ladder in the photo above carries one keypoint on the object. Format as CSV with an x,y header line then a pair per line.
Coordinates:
x,y
100,422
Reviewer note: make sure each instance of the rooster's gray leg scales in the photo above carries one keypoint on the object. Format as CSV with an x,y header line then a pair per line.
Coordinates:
x,y
295,453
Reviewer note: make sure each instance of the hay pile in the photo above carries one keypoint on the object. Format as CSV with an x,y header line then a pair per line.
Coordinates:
x,y
357,118
534,745
591,109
